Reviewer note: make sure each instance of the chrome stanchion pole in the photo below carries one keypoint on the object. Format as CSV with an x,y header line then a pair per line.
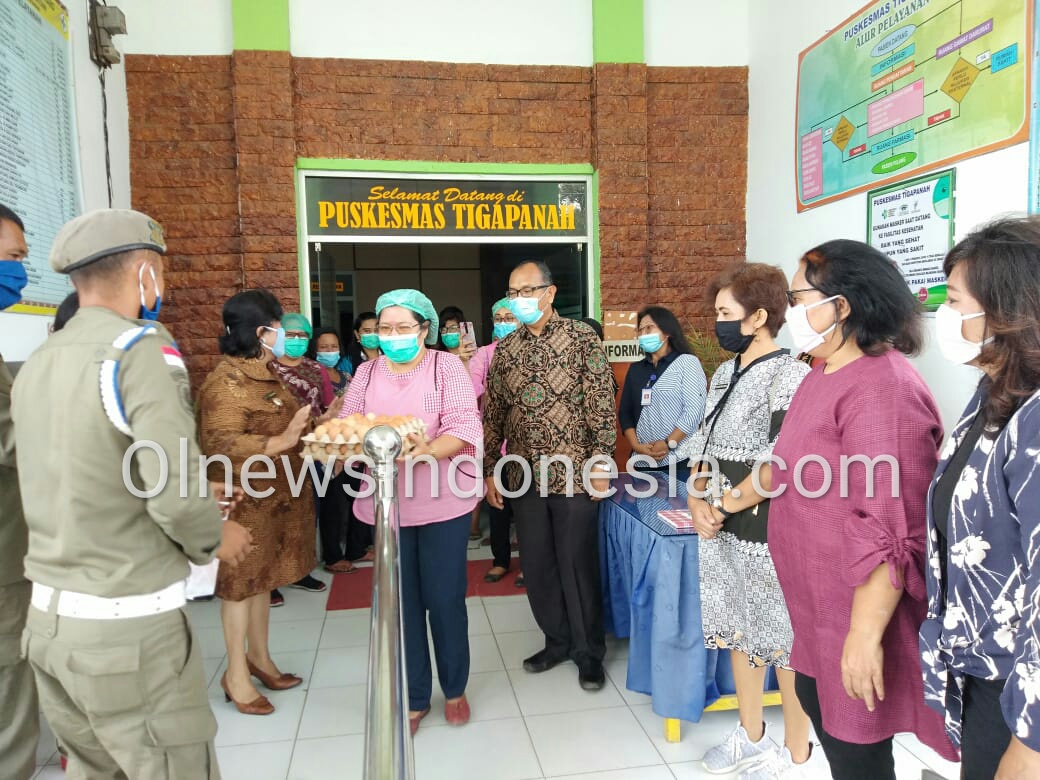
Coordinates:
x,y
388,741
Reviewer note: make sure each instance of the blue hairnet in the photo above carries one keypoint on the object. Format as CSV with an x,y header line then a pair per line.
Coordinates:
x,y
497,306
413,300
295,321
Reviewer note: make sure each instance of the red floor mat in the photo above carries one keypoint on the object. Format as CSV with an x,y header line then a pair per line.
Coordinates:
x,y
354,591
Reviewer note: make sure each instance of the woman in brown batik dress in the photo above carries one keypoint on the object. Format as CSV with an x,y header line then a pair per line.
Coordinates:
x,y
245,410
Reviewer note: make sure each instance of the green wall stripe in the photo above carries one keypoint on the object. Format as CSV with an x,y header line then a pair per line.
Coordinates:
x,y
260,24
617,31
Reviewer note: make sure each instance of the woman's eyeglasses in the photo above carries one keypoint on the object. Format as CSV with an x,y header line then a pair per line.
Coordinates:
x,y
792,293
400,329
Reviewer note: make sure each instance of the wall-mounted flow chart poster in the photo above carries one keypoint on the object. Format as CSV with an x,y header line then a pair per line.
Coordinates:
x,y
912,222
1034,122
39,171
908,86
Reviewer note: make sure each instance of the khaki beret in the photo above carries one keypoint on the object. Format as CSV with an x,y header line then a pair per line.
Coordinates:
x,y
99,234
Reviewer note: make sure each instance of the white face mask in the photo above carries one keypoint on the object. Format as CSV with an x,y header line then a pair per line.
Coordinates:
x,y
804,336
952,343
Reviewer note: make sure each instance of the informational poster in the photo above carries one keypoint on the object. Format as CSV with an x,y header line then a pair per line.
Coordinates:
x,y
619,337
1034,126
906,86
912,222
39,170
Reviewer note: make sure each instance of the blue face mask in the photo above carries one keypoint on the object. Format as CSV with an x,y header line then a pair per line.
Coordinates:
x,y
526,309
650,343
148,314
278,350
451,340
503,329
400,349
329,359
13,279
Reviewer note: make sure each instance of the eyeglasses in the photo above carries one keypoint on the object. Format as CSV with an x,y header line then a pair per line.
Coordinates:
x,y
524,292
400,329
646,329
451,329
792,293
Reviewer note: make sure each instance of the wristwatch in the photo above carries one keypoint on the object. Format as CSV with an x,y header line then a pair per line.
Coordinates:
x,y
726,514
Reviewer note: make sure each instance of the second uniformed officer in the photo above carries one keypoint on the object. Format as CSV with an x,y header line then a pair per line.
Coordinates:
x,y
19,720
119,675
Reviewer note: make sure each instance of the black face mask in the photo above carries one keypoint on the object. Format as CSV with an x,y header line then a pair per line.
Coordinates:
x,y
730,338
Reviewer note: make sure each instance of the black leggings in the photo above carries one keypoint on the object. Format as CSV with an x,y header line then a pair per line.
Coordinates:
x,y
984,735
848,761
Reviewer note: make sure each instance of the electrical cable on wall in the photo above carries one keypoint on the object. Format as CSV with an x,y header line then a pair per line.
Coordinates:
x,y
102,23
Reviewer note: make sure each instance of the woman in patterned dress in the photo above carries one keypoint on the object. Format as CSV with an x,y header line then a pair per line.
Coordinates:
x,y
981,641
741,601
244,410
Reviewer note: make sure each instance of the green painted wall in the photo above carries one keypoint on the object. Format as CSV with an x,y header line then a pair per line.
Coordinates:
x,y
260,24
617,31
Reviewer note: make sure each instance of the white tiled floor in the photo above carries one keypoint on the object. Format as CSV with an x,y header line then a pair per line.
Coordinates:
x,y
523,726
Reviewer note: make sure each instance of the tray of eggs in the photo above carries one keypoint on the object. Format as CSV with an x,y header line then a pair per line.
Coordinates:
x,y
342,437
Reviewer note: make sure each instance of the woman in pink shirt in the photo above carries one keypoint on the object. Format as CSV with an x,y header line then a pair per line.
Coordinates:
x,y
409,379
849,554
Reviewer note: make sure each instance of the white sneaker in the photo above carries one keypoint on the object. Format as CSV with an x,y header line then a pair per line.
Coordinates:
x,y
736,752
775,765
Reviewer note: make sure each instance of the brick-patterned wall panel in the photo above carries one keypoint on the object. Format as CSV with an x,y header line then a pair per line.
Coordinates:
x,y
214,141
182,173
377,110
620,156
265,129
697,153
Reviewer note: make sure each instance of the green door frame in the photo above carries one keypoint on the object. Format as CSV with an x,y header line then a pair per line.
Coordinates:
x,y
504,170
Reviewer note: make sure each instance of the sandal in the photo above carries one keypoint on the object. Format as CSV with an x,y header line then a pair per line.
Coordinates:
x,y
341,567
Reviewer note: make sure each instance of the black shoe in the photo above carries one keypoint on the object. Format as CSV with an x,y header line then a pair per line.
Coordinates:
x,y
309,583
542,661
277,599
590,675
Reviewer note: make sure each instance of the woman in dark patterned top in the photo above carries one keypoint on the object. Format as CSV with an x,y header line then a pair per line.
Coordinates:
x,y
742,605
980,645
309,383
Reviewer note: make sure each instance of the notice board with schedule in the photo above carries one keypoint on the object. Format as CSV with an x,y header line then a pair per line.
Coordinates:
x,y
39,166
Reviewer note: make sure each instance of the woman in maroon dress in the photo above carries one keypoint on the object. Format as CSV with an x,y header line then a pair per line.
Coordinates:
x,y
850,554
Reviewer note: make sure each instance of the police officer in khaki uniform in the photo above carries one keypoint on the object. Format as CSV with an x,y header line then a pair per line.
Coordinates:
x,y
19,721
119,676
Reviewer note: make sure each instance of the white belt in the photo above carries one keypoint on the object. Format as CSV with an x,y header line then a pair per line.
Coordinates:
x,y
83,605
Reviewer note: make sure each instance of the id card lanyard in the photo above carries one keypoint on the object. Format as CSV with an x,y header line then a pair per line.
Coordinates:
x,y
648,391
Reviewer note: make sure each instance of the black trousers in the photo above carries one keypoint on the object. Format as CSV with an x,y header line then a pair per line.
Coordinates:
x,y
848,760
984,734
499,521
559,553
336,523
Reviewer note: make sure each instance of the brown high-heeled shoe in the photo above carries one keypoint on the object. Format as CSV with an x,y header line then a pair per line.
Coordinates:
x,y
258,706
282,682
